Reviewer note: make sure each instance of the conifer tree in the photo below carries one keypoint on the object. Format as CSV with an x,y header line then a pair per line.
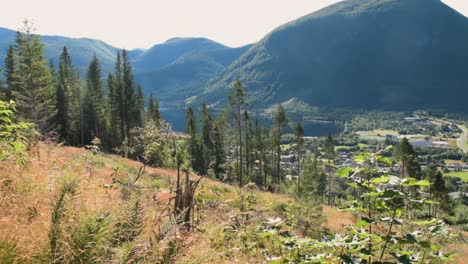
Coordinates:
x,y
3,96
248,143
329,149
119,100
196,155
237,103
299,141
221,145
130,116
281,121
9,71
219,155
206,138
96,104
70,97
33,86
256,157
113,101
138,107
437,190
313,179
153,110
405,154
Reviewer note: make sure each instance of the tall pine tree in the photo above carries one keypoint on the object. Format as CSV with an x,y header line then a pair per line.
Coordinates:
x,y
153,110
33,88
281,120
237,103
206,137
9,71
96,104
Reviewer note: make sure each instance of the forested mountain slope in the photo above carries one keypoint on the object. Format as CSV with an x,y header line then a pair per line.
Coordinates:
x,y
375,54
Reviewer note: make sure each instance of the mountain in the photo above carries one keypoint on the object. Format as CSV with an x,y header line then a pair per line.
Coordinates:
x,y
366,54
81,50
177,70
174,70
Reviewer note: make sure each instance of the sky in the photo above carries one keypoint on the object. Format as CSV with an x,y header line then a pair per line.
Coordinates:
x,y
142,23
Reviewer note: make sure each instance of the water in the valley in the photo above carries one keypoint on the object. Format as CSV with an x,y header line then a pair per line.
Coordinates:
x,y
176,116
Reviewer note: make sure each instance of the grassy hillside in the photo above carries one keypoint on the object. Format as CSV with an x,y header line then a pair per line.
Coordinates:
x,y
378,54
30,193
92,209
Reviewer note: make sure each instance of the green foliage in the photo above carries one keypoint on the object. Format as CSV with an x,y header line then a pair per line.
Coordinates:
x,y
8,252
384,201
15,137
59,209
129,224
96,108
89,240
153,143
313,180
33,89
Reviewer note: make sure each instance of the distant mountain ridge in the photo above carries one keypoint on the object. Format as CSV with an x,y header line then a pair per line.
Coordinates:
x,y
81,49
366,54
356,54
174,70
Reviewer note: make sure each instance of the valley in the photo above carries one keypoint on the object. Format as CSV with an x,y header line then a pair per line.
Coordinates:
x,y
338,137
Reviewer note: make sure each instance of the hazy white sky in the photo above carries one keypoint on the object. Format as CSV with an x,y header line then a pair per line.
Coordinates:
x,y
143,23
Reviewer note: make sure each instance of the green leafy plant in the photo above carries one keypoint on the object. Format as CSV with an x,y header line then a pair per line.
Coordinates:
x,y
15,137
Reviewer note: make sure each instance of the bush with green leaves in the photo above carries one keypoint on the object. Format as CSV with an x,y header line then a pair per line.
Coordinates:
x,y
384,233
15,136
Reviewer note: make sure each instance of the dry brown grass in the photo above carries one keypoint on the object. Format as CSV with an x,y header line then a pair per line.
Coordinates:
x,y
337,220
27,192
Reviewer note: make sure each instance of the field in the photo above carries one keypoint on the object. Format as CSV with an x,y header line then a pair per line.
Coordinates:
x,y
377,134
452,162
462,174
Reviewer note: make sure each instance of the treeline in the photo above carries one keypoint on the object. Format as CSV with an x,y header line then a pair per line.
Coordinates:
x,y
59,101
235,147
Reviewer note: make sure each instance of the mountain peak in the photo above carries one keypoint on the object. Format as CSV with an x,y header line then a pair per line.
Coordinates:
x,y
359,53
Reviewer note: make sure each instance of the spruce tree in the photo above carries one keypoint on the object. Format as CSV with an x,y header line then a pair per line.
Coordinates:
x,y
70,97
96,104
153,110
405,154
138,107
130,115
3,96
219,155
63,95
119,99
196,155
113,101
33,86
9,71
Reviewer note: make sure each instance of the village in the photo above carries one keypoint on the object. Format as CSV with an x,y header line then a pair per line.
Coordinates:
x,y
435,141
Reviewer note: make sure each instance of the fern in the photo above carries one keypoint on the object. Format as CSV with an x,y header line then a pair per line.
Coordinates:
x,y
89,240
68,189
130,224
8,252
